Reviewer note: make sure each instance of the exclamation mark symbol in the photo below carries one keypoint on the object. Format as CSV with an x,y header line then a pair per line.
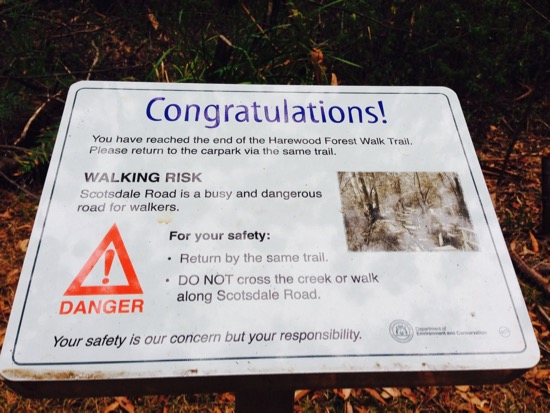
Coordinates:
x,y
109,256
381,106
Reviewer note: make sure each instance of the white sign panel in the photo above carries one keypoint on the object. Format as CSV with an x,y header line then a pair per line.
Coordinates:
x,y
213,231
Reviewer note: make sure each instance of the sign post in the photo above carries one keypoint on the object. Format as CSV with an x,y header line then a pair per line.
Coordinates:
x,y
260,239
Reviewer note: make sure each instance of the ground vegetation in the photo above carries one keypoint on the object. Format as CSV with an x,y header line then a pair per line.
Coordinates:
x,y
493,53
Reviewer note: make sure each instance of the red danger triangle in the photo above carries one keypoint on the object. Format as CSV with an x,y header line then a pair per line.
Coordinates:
x,y
119,250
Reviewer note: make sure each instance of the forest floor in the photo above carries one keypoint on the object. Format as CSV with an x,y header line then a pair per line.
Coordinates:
x,y
46,47
518,204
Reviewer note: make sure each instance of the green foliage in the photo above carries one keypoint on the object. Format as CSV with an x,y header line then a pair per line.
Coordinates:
x,y
489,52
39,154
486,51
472,46
10,105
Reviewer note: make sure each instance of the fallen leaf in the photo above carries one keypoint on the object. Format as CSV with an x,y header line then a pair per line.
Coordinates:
x,y
430,393
341,393
333,79
445,395
408,393
2,336
466,407
475,400
12,276
393,392
316,56
493,196
531,373
300,394
536,393
111,408
125,404
463,388
509,395
348,407
153,20
23,244
346,393
373,393
317,395
10,398
228,397
6,214
534,242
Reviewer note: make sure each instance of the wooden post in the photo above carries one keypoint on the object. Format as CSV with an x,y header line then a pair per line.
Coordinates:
x,y
265,401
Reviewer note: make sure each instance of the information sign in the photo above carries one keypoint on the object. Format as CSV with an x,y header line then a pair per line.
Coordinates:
x,y
213,236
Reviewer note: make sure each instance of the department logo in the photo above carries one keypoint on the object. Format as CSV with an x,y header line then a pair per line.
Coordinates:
x,y
401,331
504,332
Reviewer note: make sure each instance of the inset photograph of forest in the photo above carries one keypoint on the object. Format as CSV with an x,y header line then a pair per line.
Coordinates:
x,y
405,211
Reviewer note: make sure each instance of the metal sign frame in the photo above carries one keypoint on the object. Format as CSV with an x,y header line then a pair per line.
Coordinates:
x,y
303,236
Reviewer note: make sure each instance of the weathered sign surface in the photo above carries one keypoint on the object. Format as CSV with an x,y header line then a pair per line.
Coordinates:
x,y
208,234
